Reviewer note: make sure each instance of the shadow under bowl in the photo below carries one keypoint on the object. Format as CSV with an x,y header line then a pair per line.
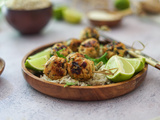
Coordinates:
x,y
28,21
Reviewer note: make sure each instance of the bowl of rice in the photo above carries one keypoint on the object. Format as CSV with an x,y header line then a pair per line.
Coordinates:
x,y
29,16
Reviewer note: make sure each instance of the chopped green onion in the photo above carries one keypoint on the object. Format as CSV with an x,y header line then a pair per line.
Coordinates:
x,y
61,50
69,84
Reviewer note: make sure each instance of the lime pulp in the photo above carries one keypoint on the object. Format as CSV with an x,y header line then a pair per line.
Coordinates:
x,y
46,52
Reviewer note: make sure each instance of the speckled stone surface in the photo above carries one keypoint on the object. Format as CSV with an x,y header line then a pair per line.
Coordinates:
x,y
19,101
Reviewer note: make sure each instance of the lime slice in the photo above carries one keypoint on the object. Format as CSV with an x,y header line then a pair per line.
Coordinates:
x,y
125,69
122,4
37,63
58,12
137,63
72,16
46,52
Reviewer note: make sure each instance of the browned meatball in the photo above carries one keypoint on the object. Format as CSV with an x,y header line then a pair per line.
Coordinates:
x,y
55,68
81,68
114,48
73,44
74,55
60,46
89,33
90,47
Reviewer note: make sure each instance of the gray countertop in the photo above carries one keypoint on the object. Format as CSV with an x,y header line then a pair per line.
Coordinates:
x,y
19,101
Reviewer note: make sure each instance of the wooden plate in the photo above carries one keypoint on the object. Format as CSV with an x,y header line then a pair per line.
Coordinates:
x,y
80,93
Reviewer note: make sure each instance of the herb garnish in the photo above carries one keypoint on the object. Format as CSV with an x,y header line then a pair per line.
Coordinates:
x,y
96,61
69,84
59,54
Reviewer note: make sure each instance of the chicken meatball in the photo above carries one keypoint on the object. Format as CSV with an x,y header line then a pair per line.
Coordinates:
x,y
80,68
90,47
60,46
73,44
114,48
89,33
74,55
55,68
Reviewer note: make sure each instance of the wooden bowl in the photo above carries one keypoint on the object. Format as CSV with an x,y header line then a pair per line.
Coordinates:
x,y
80,93
28,21
114,18
107,23
2,65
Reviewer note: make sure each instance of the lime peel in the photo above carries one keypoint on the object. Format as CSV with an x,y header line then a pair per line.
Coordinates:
x,y
122,4
58,12
137,63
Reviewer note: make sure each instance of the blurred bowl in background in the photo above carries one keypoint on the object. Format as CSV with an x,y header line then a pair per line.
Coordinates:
x,y
102,17
28,21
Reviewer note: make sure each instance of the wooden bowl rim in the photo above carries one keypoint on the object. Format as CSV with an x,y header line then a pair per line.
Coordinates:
x,y
3,65
107,21
24,69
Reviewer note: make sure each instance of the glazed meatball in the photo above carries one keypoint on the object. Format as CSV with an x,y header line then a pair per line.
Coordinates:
x,y
55,68
73,44
60,46
114,48
89,33
74,55
80,68
90,47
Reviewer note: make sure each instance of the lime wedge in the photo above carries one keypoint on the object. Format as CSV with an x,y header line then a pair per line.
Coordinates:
x,y
137,63
46,52
58,12
72,16
125,69
37,63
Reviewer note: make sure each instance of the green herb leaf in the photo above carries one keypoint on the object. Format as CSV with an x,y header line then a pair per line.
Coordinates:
x,y
59,54
61,50
96,61
69,84
101,45
87,35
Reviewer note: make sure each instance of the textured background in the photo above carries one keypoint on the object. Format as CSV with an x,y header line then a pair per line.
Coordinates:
x,y
18,101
